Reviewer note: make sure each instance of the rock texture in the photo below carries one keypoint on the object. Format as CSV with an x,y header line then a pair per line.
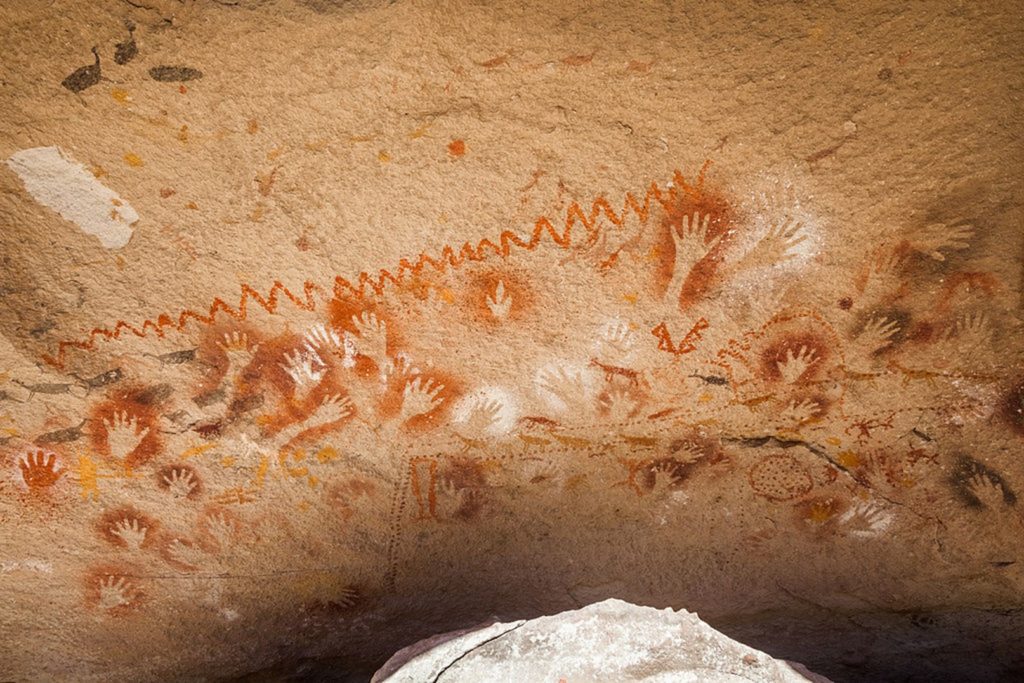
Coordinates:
x,y
608,641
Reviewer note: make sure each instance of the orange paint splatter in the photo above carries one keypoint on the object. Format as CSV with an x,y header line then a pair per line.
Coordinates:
x,y
578,60
120,95
133,160
457,148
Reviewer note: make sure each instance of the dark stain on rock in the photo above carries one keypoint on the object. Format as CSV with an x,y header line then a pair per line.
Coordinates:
x,y
1012,408
85,76
209,398
178,357
153,395
126,51
102,379
174,74
61,435
44,388
246,404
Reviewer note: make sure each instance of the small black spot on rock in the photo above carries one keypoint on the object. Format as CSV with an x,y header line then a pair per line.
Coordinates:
x,y
125,52
84,77
173,74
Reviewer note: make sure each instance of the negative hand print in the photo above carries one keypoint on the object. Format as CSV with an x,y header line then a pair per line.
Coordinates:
x,y
181,482
185,553
130,532
876,335
373,337
935,238
321,338
865,519
222,529
776,246
795,365
619,404
567,387
664,479
973,330
691,246
332,409
988,491
482,418
124,434
616,343
306,370
114,591
501,303
238,349
39,471
800,412
419,397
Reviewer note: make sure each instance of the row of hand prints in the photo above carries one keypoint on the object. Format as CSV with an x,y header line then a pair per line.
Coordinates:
x,y
440,399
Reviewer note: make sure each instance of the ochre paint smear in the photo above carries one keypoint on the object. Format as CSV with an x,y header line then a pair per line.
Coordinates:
x,y
457,148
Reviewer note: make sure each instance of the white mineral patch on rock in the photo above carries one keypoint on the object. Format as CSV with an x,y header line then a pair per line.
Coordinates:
x,y
58,182
607,641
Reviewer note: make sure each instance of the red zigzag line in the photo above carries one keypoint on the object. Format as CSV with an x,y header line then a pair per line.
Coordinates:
x,y
449,258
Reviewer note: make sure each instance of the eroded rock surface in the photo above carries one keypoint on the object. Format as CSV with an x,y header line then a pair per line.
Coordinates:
x,y
608,641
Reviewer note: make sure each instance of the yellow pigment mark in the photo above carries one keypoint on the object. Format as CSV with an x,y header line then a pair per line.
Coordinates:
x,y
631,298
183,133
197,450
833,441
327,454
261,472
316,145
234,496
442,219
87,479
704,398
848,459
133,160
313,481
274,153
573,482
98,171
227,461
447,295
383,157
420,132
654,254
120,95
820,512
